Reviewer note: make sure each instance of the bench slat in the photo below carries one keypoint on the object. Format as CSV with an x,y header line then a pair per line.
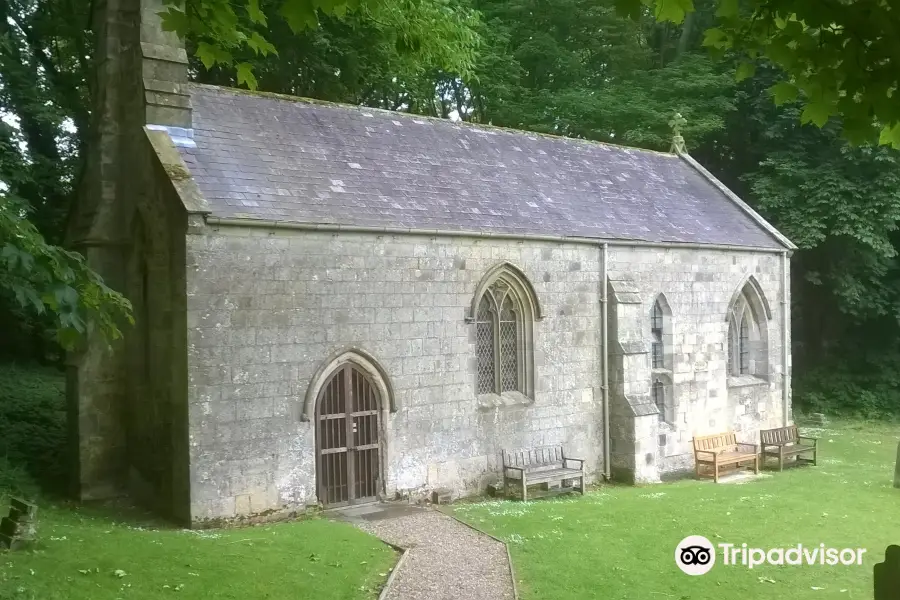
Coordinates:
x,y
715,442
541,464
528,458
722,449
782,442
779,436
551,474
791,450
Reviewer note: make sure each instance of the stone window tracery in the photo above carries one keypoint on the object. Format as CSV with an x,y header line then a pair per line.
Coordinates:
x,y
499,326
503,312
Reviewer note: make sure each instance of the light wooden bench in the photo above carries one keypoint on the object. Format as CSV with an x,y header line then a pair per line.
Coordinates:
x,y
784,442
543,464
723,450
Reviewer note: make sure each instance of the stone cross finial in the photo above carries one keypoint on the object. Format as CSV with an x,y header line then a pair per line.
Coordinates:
x,y
676,123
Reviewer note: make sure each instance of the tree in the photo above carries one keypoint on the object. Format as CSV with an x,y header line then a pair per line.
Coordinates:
x,y
43,69
436,32
44,279
842,59
354,59
840,204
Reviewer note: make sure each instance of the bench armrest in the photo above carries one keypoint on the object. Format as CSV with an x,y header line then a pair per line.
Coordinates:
x,y
815,441
580,461
710,452
746,447
519,469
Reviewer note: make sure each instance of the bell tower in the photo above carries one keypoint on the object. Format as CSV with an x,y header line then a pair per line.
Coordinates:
x,y
123,227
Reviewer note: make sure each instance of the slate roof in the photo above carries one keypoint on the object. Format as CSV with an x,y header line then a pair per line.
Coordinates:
x,y
283,159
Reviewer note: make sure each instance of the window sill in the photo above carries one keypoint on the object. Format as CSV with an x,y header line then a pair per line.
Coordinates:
x,y
490,401
745,381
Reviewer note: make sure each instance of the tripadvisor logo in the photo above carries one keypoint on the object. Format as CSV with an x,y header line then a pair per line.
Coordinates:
x,y
696,555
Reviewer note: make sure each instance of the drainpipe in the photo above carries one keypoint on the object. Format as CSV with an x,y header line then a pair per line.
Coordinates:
x,y
785,348
604,332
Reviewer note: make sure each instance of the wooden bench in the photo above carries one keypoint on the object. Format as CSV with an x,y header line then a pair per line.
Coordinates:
x,y
785,442
543,464
723,450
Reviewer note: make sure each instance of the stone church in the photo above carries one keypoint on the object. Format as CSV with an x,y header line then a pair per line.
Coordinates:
x,y
337,304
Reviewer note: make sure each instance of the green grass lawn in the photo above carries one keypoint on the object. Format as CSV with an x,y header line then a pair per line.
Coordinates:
x,y
619,542
87,554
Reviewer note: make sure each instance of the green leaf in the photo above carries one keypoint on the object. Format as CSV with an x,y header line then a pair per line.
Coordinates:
x,y
11,255
245,75
859,131
207,54
256,15
66,296
817,112
784,91
716,38
745,70
175,20
890,135
68,339
728,9
673,10
780,52
260,45
339,10
299,14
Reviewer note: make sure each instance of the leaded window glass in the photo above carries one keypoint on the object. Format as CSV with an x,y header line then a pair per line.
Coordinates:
x,y
731,346
484,333
656,331
744,345
659,398
499,343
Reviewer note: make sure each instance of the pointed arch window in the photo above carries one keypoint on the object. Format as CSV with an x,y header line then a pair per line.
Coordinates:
x,y
503,311
659,397
660,334
656,331
744,345
499,326
748,338
662,390
743,341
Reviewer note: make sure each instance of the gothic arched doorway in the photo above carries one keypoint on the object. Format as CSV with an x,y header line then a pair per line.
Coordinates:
x,y
348,439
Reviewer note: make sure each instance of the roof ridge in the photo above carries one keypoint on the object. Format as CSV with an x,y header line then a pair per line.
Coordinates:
x,y
408,115
757,218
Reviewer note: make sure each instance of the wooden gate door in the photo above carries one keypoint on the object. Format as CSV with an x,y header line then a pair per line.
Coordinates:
x,y
348,446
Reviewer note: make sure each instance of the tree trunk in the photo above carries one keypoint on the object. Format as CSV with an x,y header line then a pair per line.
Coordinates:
x,y
687,29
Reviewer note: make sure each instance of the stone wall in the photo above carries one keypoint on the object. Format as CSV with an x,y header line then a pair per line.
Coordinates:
x,y
155,418
126,415
698,286
267,309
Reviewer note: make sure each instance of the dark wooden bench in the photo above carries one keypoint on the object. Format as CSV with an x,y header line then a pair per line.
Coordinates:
x,y
543,464
723,450
784,442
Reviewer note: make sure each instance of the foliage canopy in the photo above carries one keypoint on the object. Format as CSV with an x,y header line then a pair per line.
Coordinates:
x,y
755,110
841,58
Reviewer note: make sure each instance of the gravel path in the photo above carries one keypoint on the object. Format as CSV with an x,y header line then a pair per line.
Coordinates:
x,y
446,559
